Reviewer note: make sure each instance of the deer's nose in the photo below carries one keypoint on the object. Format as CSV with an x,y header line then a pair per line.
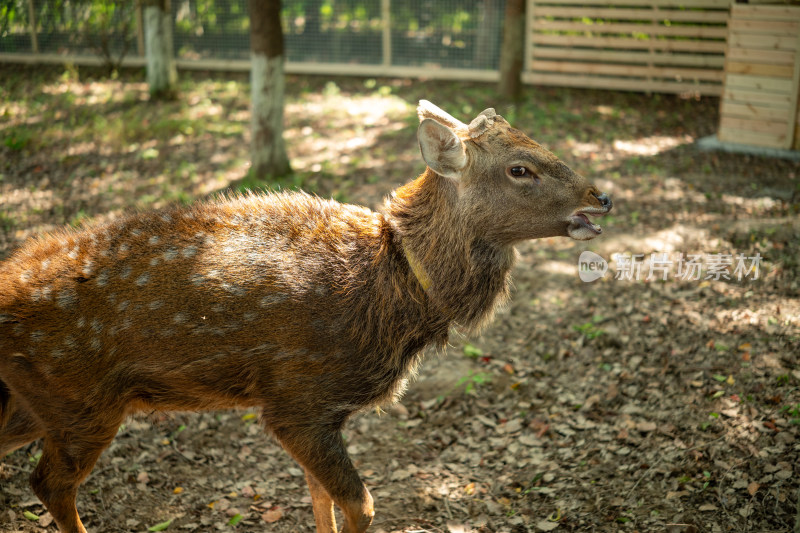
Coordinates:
x,y
605,201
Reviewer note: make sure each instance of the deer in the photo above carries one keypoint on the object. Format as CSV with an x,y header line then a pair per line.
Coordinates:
x,y
305,308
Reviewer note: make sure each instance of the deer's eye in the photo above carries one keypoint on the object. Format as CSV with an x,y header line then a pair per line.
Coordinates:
x,y
518,172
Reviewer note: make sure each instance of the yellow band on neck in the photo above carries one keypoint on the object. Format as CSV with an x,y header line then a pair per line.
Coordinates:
x,y
416,268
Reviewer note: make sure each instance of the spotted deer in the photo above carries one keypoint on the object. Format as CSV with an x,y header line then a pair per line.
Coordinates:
x,y
305,308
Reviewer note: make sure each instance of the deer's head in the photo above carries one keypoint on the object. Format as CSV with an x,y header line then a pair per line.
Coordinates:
x,y
512,188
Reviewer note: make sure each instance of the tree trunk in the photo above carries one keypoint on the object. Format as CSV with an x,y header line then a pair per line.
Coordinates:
x,y
511,54
268,151
161,74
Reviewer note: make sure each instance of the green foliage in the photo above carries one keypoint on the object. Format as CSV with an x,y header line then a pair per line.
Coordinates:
x,y
160,527
793,412
17,138
7,222
472,351
472,381
589,329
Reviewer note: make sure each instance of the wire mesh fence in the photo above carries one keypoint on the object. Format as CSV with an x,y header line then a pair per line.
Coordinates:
x,y
462,34
649,45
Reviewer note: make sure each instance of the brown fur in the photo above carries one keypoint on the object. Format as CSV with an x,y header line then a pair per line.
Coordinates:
x,y
305,308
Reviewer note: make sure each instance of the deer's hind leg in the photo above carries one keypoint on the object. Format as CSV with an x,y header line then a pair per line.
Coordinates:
x,y
20,429
67,458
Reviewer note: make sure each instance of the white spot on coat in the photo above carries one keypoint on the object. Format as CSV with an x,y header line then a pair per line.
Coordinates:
x,y
67,298
272,299
102,278
69,342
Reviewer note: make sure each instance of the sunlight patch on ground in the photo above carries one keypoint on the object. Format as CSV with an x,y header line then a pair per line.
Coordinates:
x,y
620,149
96,91
650,146
559,267
675,189
676,238
354,125
750,204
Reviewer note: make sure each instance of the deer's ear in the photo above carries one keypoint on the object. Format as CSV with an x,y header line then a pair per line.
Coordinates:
x,y
441,148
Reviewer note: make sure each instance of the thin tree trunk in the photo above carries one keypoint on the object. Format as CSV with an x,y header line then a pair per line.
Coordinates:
x,y
268,151
511,55
162,76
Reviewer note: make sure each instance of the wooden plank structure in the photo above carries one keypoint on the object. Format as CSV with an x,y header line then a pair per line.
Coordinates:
x,y
759,103
639,45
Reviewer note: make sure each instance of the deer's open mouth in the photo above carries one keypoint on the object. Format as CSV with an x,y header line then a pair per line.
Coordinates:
x,y
581,228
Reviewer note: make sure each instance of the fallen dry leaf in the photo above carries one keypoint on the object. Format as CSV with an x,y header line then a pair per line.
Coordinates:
x,y
45,520
273,515
546,525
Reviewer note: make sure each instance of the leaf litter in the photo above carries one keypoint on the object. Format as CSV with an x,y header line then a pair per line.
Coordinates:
x,y
610,406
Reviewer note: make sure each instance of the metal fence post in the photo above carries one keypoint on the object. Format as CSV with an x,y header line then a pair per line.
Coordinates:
x,y
386,19
139,29
32,22
527,60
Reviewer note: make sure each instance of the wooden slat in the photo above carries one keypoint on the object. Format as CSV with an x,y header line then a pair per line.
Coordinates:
x,y
733,109
629,43
639,45
756,69
703,32
774,86
656,58
646,13
750,137
768,27
625,84
794,104
769,42
760,56
696,4
744,11
627,70
745,96
772,127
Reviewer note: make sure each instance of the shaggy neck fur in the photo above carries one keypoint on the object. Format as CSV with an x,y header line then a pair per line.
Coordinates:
x,y
469,277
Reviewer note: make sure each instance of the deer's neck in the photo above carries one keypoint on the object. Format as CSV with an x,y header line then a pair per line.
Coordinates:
x,y
464,275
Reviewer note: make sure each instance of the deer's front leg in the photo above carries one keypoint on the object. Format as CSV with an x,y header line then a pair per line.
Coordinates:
x,y
322,504
322,454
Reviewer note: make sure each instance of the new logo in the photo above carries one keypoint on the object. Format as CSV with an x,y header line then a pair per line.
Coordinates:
x,y
591,266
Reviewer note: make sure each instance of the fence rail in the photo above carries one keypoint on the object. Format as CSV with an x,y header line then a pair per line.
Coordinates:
x,y
639,45
651,45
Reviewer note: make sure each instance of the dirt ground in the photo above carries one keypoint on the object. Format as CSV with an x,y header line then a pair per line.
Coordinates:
x,y
616,405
